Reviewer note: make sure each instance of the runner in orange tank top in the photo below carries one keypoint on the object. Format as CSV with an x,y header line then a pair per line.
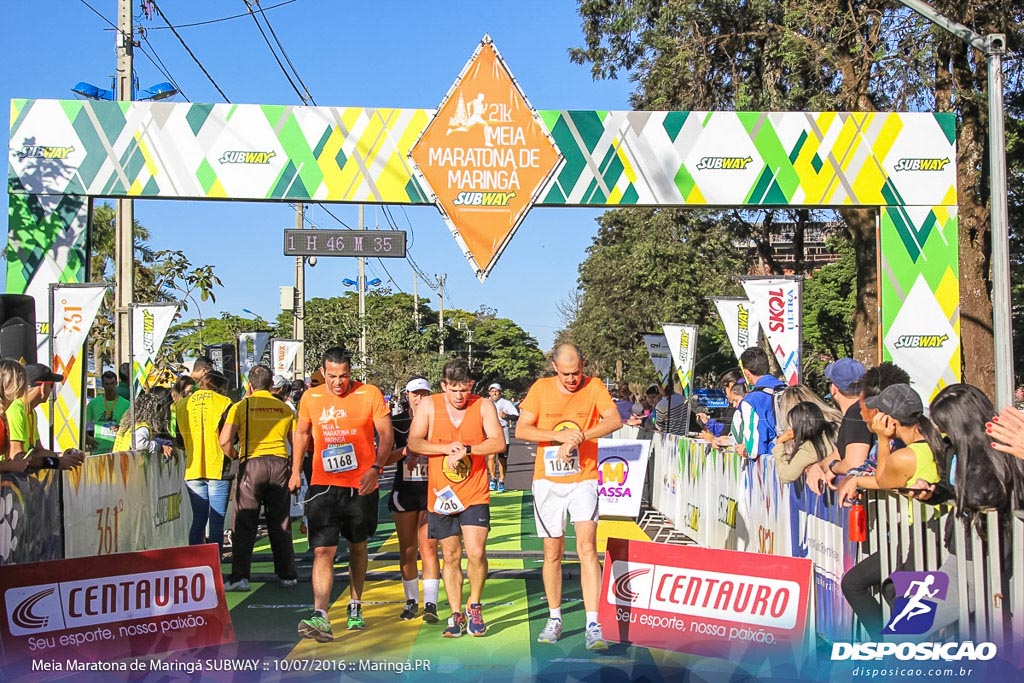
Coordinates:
x,y
457,430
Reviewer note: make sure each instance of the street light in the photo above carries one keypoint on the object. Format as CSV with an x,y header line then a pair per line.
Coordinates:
x,y
361,285
160,91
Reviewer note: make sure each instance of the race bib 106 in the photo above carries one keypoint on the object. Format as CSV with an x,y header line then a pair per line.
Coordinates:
x,y
447,502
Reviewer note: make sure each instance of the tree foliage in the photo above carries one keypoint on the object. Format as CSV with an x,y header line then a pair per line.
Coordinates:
x,y
853,55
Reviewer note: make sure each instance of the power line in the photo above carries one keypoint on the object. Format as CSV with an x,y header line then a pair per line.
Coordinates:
x,y
159,64
189,51
277,40
214,21
274,53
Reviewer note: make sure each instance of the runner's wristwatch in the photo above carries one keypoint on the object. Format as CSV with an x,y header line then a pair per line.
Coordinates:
x,y
469,449
379,468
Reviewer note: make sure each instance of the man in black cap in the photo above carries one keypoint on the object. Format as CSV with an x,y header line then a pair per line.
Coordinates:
x,y
22,422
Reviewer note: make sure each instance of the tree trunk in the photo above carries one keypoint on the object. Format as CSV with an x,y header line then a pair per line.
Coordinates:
x,y
861,225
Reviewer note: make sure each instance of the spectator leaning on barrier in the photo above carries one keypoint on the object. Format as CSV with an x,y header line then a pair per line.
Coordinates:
x,y
754,428
980,479
199,421
13,384
900,416
855,438
717,427
809,439
670,412
23,424
180,390
151,418
261,424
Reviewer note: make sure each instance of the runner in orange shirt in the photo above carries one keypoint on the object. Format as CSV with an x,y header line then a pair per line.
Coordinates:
x,y
457,430
342,416
565,415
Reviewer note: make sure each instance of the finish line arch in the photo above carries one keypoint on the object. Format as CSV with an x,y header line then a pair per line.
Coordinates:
x,y
64,153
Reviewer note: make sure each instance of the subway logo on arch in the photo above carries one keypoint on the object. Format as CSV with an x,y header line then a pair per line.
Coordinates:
x,y
755,600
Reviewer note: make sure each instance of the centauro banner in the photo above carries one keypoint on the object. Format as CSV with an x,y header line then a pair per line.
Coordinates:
x,y
71,613
701,601
682,341
283,353
779,309
150,323
740,322
251,346
73,309
661,356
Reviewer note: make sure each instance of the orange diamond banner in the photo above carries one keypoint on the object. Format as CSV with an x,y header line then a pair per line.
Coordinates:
x,y
485,156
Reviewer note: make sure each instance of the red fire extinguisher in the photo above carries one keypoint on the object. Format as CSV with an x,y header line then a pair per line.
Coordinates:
x,y
858,523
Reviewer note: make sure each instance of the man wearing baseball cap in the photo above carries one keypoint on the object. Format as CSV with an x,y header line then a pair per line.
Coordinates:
x,y
23,426
854,440
497,464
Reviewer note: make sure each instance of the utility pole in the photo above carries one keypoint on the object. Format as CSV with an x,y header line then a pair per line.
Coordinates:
x,y
416,301
440,317
124,221
299,312
362,305
994,47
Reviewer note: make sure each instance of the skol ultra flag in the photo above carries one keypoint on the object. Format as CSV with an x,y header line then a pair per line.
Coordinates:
x,y
778,305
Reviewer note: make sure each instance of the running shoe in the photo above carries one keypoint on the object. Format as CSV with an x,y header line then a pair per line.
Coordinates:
x,y
240,586
430,613
501,487
552,631
477,627
595,637
317,628
410,611
456,626
289,583
493,485
355,617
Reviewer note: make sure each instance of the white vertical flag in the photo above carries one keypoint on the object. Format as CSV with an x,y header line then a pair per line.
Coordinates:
x,y
682,342
251,346
740,322
150,323
282,355
777,301
73,308
657,347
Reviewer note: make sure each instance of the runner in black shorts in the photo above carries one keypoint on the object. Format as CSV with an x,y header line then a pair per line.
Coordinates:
x,y
408,505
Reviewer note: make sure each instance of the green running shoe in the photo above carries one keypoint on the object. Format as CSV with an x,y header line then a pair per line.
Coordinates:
x,y
355,618
317,628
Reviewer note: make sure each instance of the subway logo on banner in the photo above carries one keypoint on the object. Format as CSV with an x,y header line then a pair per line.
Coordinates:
x,y
921,164
484,198
38,609
240,157
743,333
687,592
44,152
724,163
921,341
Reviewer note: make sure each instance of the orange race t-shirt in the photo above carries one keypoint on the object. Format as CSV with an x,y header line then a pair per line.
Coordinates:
x,y
557,410
449,492
343,432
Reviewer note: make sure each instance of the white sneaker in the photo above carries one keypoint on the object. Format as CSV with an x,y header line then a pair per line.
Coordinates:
x,y
240,586
595,637
289,583
552,631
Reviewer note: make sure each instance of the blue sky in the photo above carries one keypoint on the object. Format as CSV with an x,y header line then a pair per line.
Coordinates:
x,y
381,53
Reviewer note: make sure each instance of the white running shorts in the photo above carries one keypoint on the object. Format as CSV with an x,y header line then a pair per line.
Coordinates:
x,y
552,501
